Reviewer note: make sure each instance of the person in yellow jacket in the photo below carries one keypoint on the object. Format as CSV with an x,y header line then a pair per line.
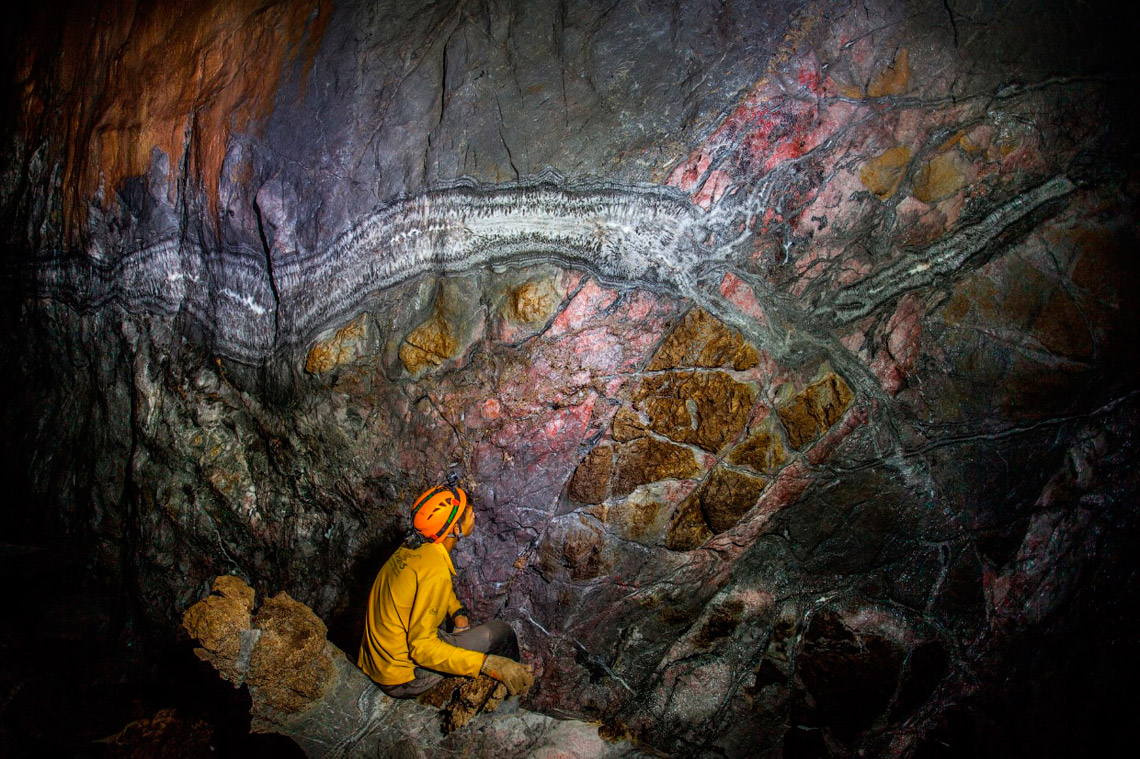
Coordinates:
x,y
405,648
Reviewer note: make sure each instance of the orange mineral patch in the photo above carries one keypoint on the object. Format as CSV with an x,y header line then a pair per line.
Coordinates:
x,y
133,77
883,173
893,79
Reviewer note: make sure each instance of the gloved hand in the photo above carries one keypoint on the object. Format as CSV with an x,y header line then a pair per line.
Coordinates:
x,y
517,677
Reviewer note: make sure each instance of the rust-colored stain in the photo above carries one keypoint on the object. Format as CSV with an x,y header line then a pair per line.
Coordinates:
x,y
129,77
893,79
883,173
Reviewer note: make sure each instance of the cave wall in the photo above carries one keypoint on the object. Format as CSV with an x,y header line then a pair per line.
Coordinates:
x,y
785,348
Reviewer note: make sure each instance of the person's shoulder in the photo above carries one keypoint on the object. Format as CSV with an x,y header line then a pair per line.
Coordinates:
x,y
425,553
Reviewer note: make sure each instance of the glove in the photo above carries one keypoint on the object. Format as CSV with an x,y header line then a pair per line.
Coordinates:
x,y
517,677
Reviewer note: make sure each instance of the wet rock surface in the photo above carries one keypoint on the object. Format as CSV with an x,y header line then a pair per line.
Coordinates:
x,y
797,402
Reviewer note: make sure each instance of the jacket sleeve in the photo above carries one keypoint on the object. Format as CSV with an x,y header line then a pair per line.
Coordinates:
x,y
434,600
454,605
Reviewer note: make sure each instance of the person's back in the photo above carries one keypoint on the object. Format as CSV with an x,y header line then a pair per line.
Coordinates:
x,y
410,599
405,649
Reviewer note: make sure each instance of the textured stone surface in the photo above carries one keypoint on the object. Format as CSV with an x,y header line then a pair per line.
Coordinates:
x,y
591,480
700,341
647,459
726,496
877,260
706,409
165,735
347,345
289,667
763,449
883,173
813,410
717,505
217,623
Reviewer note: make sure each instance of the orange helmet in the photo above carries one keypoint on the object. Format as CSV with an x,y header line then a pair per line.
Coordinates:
x,y
436,510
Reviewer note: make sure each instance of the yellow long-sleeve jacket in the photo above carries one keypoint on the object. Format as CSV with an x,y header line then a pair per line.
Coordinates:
x,y
410,598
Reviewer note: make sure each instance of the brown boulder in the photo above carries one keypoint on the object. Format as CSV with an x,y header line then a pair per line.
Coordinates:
x,y
289,669
533,301
627,426
217,623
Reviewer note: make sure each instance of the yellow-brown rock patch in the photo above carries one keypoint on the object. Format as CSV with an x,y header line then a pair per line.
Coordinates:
x,y
815,408
533,301
706,409
701,340
430,344
763,449
942,176
892,80
883,173
344,347
647,460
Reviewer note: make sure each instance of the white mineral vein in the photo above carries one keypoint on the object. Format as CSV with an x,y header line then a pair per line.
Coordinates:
x,y
629,234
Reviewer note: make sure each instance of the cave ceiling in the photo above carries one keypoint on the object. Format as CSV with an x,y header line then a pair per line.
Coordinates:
x,y
786,348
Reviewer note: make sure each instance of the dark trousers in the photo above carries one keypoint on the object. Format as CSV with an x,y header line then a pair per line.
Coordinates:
x,y
494,637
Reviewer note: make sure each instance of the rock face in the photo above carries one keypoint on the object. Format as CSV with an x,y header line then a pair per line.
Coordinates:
x,y
786,350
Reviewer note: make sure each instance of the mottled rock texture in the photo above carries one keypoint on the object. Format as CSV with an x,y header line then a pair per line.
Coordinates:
x,y
787,350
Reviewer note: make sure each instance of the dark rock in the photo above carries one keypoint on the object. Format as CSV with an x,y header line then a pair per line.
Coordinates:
x,y
851,679
786,350
926,666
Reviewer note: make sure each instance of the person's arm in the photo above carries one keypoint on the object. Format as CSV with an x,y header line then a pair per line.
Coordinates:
x,y
434,600
458,613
